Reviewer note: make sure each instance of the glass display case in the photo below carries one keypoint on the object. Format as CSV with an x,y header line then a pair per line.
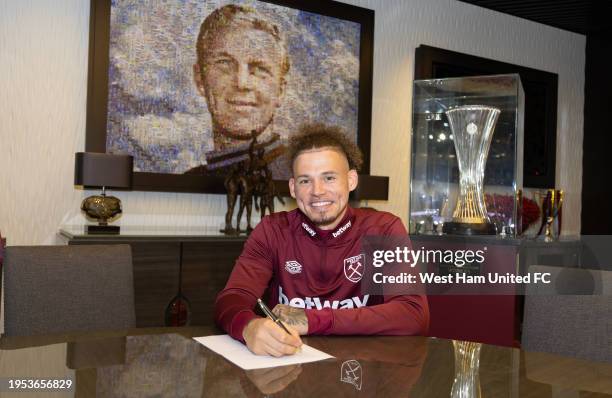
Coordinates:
x,y
467,156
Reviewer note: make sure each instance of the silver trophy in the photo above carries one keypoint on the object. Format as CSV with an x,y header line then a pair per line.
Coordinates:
x,y
472,127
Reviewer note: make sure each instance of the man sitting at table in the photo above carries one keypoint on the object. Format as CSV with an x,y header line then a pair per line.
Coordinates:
x,y
310,258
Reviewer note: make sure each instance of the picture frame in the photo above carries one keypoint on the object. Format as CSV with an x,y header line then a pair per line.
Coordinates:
x,y
98,95
539,159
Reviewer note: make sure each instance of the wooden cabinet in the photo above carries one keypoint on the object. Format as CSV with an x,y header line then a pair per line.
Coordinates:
x,y
207,263
206,268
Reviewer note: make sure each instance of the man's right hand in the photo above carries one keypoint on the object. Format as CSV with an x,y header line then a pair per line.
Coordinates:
x,y
264,337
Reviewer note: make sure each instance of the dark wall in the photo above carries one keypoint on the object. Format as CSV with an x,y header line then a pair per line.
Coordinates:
x,y
597,148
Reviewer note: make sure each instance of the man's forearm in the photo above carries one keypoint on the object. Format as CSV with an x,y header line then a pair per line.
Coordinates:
x,y
233,311
409,316
294,317
247,282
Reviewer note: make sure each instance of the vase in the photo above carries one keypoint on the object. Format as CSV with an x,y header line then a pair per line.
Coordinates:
x,y
467,362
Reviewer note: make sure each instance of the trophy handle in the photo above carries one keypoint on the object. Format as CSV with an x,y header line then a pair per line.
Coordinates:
x,y
560,212
560,195
519,212
545,205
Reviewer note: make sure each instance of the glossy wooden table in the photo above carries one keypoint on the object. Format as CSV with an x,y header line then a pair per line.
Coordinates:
x,y
166,362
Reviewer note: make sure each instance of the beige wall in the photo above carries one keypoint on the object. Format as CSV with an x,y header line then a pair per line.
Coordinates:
x,y
43,72
402,25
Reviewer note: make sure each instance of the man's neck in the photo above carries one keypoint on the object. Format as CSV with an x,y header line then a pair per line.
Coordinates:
x,y
328,227
222,141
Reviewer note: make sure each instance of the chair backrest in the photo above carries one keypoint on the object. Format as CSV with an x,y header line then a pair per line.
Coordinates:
x,y
2,245
572,316
58,289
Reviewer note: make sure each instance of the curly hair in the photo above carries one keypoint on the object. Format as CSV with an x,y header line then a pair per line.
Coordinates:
x,y
314,136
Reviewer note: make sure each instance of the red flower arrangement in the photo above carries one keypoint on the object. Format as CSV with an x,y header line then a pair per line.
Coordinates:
x,y
531,212
503,206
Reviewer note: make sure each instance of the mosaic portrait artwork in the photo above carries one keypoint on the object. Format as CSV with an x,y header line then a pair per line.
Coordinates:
x,y
191,83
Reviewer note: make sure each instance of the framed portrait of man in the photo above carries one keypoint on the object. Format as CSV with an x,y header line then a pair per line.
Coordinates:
x,y
192,88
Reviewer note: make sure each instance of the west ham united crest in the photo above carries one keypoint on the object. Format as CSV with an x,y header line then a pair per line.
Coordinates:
x,y
350,372
354,268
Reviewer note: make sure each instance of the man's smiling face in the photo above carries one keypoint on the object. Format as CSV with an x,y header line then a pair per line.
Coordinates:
x,y
321,184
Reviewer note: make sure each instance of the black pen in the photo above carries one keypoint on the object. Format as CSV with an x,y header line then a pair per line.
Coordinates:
x,y
271,315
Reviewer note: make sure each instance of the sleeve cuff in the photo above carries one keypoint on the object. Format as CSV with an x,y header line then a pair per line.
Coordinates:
x,y
319,321
239,322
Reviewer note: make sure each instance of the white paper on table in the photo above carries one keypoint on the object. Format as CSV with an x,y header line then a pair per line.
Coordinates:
x,y
239,354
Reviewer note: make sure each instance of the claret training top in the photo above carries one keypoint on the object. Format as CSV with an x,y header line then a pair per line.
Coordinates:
x,y
303,266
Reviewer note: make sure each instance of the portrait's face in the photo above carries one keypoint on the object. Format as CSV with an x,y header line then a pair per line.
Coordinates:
x,y
241,79
321,184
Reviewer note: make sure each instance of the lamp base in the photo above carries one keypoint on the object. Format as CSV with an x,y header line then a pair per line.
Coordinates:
x,y
460,228
102,229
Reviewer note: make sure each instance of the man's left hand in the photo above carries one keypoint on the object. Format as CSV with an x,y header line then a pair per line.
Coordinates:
x,y
291,316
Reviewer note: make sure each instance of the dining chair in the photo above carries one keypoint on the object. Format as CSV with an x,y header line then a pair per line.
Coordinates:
x,y
572,315
59,289
2,245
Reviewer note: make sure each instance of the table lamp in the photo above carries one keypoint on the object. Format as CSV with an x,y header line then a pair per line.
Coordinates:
x,y
102,170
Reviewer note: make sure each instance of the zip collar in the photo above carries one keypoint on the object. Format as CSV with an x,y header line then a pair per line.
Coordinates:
x,y
316,233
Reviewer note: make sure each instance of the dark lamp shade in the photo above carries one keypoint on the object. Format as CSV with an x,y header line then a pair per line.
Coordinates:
x,y
95,170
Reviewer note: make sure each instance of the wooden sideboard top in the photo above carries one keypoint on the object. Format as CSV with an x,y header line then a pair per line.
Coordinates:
x,y
177,234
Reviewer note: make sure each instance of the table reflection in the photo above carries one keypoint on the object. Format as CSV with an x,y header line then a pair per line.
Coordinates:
x,y
364,366
162,366
467,363
167,362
